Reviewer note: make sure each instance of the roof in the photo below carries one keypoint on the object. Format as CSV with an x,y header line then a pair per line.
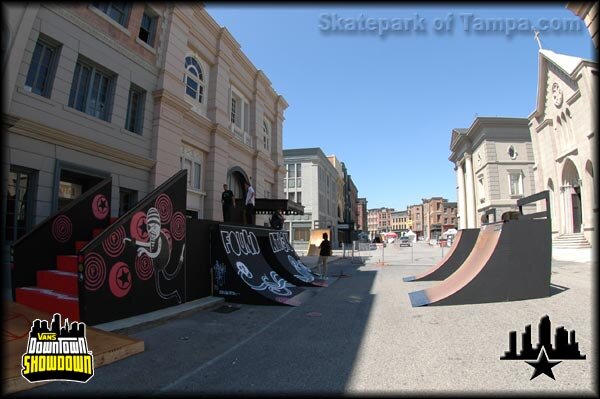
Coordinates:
x,y
567,63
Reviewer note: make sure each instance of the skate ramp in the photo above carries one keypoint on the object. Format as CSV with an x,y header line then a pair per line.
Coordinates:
x,y
459,251
280,255
241,273
511,261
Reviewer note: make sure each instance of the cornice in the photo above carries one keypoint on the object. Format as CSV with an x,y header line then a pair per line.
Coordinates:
x,y
38,131
165,96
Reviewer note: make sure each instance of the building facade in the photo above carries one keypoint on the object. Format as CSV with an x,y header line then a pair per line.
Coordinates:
x,y
439,215
416,219
350,207
494,167
135,91
399,222
311,181
563,130
379,221
588,12
362,223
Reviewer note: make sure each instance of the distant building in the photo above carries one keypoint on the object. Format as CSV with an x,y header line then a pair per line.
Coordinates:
x,y
563,129
494,162
400,221
380,221
361,218
350,208
312,181
415,216
439,216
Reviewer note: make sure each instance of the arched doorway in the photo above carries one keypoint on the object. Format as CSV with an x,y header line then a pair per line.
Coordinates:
x,y
571,195
235,180
589,169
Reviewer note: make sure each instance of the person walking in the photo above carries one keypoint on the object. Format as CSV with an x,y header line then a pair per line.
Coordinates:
x,y
250,202
324,253
228,203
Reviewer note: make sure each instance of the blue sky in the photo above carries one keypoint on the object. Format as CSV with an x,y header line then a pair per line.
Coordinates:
x,y
386,104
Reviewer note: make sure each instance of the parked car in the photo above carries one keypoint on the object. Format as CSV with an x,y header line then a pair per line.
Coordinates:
x,y
404,242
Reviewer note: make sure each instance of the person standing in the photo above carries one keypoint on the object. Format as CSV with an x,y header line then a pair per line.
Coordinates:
x,y
324,253
250,202
277,220
228,203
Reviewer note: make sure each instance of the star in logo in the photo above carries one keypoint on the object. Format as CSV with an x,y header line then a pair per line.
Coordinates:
x,y
123,277
542,365
102,205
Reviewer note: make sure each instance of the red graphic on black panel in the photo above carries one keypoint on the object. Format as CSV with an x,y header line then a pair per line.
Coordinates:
x,y
178,226
137,228
100,207
62,228
114,244
143,267
95,271
165,208
119,279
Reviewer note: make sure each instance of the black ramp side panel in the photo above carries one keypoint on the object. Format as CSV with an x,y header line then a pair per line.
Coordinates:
x,y
241,273
280,255
459,251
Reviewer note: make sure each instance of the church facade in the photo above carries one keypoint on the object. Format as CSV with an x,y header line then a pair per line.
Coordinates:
x,y
563,134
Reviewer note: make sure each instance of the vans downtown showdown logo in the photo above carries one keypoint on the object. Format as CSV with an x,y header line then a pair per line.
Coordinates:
x,y
57,354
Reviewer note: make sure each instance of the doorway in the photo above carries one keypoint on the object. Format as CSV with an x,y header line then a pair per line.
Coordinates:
x,y
576,207
72,181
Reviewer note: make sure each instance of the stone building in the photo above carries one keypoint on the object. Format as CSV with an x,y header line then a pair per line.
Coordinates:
x,y
563,130
494,163
361,218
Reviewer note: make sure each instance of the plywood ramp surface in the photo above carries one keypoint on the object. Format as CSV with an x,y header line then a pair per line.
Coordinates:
x,y
106,347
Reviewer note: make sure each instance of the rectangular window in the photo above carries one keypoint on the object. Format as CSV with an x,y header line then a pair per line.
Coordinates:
x,y
127,200
19,212
148,27
41,70
299,198
299,170
135,110
292,196
291,171
119,11
291,183
515,183
246,117
197,175
233,110
91,91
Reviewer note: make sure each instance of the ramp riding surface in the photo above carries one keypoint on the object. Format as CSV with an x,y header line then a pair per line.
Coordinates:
x,y
242,274
459,251
510,261
280,255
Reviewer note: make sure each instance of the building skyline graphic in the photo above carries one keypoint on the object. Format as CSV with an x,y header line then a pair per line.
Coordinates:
x,y
565,343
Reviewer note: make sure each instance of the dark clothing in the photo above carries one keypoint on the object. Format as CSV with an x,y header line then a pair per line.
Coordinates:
x,y
227,201
276,221
325,248
249,214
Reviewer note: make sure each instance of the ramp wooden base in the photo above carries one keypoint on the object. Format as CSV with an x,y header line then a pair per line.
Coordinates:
x,y
106,347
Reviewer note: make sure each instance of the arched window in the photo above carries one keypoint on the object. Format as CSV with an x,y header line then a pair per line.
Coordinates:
x,y
193,79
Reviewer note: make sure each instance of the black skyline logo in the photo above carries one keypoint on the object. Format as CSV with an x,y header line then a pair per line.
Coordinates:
x,y
565,347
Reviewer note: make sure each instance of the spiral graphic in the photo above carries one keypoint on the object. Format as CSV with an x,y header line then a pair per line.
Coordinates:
x,y
165,208
119,279
167,234
178,226
100,206
114,245
95,271
62,229
137,227
143,267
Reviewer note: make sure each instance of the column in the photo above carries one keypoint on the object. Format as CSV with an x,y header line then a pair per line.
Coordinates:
x,y
460,180
470,193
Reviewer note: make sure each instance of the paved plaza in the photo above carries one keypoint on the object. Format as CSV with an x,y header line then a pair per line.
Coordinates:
x,y
358,336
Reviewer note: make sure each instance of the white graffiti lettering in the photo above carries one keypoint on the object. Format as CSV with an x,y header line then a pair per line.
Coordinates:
x,y
279,242
240,242
304,272
275,284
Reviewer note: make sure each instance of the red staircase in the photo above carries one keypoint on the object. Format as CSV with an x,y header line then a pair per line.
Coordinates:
x,y
57,290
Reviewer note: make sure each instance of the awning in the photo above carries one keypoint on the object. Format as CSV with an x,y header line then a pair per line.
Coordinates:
x,y
266,206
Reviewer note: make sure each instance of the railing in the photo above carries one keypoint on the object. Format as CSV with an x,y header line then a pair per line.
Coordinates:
x,y
542,195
